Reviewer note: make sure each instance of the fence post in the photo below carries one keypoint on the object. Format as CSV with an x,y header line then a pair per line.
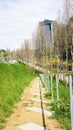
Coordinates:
x,y
46,82
52,87
57,81
71,100
49,83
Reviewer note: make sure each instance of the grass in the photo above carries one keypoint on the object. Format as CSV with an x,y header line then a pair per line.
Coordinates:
x,y
13,80
63,112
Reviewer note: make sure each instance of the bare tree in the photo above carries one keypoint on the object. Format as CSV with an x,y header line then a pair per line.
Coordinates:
x,y
27,51
64,33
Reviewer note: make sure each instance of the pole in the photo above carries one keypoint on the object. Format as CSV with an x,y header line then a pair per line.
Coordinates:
x,y
57,81
71,100
72,55
48,83
43,115
51,87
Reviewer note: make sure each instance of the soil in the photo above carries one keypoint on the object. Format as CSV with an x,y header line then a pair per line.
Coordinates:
x,y
22,116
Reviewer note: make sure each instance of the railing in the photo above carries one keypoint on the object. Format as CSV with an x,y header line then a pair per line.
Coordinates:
x,y
49,87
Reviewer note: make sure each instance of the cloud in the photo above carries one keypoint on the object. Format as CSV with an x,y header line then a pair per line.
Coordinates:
x,y
19,18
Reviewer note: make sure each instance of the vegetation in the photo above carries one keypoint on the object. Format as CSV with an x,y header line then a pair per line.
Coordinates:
x,y
63,112
55,53
13,80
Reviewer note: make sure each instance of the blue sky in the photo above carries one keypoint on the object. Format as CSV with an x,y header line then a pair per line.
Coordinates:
x,y
19,18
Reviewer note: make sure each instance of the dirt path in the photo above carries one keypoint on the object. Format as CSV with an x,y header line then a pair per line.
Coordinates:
x,y
22,116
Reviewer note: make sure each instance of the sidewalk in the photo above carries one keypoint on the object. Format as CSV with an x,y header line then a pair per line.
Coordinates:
x,y
32,113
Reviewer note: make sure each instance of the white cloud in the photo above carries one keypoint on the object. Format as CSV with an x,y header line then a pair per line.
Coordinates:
x,y
19,18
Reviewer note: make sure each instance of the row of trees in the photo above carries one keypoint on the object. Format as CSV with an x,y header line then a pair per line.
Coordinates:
x,y
53,54
23,53
57,55
64,38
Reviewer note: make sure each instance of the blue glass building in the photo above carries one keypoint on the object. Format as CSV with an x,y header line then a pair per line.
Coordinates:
x,y
49,31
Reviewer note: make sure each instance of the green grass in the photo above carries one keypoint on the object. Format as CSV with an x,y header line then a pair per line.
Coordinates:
x,y
13,80
63,112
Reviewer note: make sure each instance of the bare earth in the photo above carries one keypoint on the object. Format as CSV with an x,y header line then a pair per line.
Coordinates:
x,y
22,116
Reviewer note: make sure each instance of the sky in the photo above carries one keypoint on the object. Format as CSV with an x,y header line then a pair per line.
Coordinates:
x,y
19,19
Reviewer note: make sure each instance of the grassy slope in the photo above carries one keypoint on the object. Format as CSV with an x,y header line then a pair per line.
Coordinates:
x,y
13,80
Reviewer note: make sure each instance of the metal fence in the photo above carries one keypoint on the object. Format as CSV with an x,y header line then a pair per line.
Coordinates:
x,y
47,79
